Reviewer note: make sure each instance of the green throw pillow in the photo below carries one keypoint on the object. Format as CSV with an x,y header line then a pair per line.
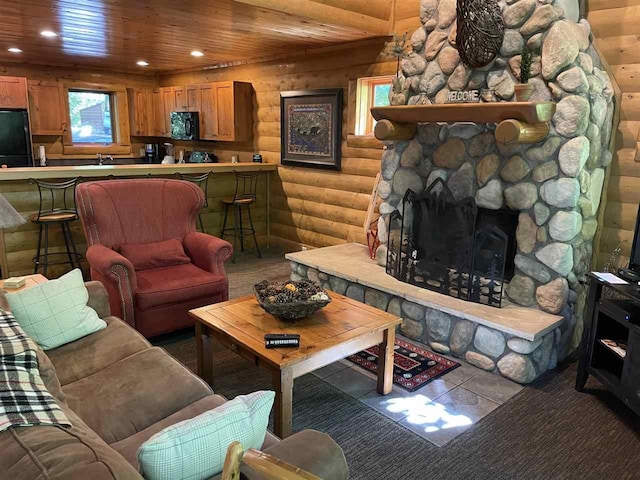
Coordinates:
x,y
56,312
195,449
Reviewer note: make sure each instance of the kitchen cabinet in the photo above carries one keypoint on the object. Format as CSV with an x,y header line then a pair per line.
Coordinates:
x,y
179,99
193,98
169,105
141,111
226,111
13,92
47,108
159,124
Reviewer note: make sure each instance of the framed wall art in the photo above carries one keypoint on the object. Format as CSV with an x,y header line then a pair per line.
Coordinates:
x,y
311,128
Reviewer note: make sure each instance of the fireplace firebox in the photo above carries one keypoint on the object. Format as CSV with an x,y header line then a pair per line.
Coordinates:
x,y
452,246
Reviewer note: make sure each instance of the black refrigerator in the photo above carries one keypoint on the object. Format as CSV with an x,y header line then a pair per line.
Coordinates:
x,y
15,139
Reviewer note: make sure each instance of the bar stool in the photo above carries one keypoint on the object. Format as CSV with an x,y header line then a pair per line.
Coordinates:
x,y
245,196
55,208
203,182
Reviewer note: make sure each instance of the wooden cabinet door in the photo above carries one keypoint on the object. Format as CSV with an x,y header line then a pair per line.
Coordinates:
x,y
159,126
168,99
141,111
180,99
13,92
208,125
193,98
47,108
225,111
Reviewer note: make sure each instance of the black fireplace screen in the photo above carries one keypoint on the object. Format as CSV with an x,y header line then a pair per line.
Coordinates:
x,y
451,246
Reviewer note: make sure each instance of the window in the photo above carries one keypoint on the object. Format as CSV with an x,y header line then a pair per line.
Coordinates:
x,y
97,119
371,92
90,117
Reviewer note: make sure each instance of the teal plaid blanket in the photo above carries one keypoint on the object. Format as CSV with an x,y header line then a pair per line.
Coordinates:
x,y
24,400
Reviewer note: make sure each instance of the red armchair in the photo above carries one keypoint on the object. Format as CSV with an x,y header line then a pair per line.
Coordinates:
x,y
154,289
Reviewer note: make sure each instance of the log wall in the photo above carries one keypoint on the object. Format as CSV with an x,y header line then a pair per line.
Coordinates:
x,y
616,26
309,207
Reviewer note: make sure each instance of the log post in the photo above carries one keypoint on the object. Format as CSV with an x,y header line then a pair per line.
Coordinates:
x,y
515,131
388,130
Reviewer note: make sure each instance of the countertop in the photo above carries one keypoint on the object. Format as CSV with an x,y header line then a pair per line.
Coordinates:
x,y
88,171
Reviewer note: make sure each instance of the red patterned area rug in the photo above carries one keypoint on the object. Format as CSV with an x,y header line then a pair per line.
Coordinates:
x,y
413,366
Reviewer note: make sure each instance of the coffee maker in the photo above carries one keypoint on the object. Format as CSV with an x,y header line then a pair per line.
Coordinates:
x,y
154,152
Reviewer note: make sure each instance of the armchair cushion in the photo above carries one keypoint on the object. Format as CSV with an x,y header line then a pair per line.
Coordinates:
x,y
176,284
155,255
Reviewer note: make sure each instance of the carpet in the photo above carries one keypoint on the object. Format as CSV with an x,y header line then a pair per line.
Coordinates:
x,y
547,431
413,366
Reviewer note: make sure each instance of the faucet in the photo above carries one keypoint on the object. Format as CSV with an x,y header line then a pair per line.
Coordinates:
x,y
101,160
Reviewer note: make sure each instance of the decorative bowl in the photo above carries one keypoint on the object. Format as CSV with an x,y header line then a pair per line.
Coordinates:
x,y
291,300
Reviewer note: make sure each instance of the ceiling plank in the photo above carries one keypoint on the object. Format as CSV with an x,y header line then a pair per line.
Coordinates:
x,y
324,13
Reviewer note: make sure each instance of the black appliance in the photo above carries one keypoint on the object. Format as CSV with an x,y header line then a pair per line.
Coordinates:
x,y
15,139
154,152
184,125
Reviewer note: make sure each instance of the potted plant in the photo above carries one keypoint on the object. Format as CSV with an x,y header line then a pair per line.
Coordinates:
x,y
397,49
524,89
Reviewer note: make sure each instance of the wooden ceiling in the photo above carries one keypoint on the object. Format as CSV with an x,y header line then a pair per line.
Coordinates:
x,y
115,34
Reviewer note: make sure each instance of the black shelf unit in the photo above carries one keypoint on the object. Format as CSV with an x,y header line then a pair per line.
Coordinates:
x,y
613,317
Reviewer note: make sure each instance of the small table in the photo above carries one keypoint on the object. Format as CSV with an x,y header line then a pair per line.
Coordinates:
x,y
603,319
342,328
31,281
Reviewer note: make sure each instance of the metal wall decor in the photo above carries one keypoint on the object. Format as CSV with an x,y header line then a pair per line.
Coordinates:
x,y
438,243
480,31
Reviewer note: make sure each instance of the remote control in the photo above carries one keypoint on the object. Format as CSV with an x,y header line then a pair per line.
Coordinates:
x,y
280,340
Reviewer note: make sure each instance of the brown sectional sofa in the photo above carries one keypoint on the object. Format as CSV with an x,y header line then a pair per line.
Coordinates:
x,y
117,391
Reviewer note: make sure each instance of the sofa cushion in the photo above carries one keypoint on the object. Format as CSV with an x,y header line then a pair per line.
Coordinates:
x,y
75,453
93,353
134,393
54,313
49,376
154,255
177,284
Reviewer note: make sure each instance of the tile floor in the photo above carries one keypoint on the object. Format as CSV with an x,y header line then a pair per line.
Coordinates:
x,y
439,411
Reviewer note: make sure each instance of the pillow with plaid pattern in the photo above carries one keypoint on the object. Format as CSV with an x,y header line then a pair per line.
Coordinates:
x,y
55,312
195,449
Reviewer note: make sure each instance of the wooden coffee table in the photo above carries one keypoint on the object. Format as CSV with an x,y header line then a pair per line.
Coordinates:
x,y
342,328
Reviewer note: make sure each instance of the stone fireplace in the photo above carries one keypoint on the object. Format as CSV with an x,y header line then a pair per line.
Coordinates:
x,y
555,186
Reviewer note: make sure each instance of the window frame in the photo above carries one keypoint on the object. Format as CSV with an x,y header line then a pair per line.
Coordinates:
x,y
119,111
365,88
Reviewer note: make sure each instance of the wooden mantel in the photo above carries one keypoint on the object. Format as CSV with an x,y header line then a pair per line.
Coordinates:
x,y
518,122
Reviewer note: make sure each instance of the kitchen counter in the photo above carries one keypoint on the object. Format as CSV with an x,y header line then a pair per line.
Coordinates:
x,y
142,169
18,245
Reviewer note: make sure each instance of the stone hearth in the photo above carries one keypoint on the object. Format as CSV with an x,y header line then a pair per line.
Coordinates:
x,y
518,342
555,186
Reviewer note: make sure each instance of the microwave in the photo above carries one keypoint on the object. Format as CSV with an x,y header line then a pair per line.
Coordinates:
x,y
184,125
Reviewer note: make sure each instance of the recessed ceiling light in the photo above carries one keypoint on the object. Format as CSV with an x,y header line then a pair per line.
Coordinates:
x,y
48,33
142,63
14,50
197,53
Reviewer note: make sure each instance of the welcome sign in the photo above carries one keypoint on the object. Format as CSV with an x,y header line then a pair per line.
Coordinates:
x,y
463,96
